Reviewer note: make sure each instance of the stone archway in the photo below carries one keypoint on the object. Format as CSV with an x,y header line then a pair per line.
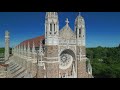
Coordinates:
x,y
67,63
68,51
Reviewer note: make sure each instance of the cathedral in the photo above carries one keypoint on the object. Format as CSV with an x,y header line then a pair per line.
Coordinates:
x,y
56,54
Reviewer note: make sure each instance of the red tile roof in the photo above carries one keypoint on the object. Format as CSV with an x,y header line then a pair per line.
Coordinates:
x,y
35,40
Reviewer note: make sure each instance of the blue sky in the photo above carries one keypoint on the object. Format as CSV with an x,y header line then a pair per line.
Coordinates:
x,y
102,28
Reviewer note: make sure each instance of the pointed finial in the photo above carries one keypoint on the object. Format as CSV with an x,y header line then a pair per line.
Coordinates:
x,y
33,44
6,33
40,48
33,48
28,46
24,47
79,13
51,14
40,42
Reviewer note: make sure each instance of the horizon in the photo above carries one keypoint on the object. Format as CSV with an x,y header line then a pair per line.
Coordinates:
x,y
102,28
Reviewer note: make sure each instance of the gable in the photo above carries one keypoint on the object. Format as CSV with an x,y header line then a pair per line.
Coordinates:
x,y
67,33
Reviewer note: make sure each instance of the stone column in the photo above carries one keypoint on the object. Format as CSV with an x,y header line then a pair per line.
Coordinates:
x,y
7,45
33,51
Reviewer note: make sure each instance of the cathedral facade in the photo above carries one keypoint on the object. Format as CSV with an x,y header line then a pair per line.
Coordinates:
x,y
57,54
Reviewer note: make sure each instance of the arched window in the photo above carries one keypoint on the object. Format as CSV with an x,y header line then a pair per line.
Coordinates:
x,y
79,32
76,32
54,27
51,27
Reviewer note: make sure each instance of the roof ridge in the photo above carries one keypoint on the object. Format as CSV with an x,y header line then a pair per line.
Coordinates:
x,y
36,40
67,27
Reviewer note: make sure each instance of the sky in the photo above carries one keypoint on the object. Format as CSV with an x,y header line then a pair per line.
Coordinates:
x,y
102,28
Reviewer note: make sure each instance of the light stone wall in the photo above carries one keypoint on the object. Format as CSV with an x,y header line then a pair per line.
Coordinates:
x,y
34,69
41,72
52,70
51,51
82,73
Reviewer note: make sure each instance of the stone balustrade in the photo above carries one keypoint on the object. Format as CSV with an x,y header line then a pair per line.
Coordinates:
x,y
67,42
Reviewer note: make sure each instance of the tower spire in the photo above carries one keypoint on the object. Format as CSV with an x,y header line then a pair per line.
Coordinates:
x,y
33,50
51,28
7,45
41,54
80,29
79,13
40,48
51,14
28,50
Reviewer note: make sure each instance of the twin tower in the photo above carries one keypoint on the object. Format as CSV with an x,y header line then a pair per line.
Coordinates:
x,y
65,51
52,33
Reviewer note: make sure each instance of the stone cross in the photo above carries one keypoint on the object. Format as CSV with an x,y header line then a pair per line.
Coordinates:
x,y
67,22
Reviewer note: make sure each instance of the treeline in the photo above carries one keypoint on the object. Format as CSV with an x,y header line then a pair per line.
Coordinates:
x,y
105,61
2,50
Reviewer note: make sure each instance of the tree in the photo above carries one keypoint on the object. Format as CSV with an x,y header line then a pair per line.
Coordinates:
x,y
110,66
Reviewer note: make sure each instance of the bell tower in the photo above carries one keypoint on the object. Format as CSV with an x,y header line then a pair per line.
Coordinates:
x,y
51,28
80,30
80,45
51,44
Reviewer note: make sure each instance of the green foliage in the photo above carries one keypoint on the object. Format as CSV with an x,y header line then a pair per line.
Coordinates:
x,y
1,50
105,61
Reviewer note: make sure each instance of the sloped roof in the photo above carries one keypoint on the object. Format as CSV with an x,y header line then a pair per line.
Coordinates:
x,y
35,40
67,33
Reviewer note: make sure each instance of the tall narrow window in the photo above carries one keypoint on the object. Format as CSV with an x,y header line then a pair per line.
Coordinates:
x,y
50,27
76,32
79,32
54,27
